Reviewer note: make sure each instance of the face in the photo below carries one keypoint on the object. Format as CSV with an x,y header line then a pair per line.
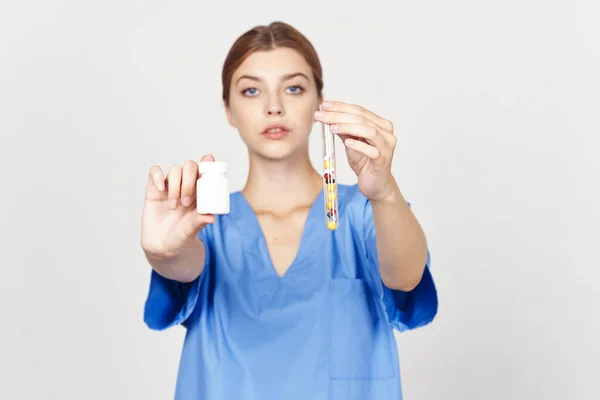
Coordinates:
x,y
273,98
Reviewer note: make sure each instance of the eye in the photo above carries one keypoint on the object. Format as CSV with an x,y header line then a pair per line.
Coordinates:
x,y
295,89
250,92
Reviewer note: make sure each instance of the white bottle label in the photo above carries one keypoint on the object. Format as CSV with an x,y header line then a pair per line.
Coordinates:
x,y
212,194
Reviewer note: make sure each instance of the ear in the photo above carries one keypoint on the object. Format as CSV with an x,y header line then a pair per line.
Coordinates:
x,y
230,116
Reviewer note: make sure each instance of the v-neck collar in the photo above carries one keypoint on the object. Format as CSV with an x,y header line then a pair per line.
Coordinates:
x,y
255,243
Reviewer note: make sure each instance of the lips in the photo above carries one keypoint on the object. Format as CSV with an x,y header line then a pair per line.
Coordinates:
x,y
275,131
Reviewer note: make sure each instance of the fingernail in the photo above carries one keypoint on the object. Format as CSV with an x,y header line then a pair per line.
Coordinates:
x,y
186,201
349,142
173,203
160,186
327,105
319,114
334,127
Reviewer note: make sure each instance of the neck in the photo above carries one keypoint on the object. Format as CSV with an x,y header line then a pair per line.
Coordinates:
x,y
277,185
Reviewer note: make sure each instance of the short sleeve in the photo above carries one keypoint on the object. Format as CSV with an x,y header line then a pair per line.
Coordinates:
x,y
170,302
405,310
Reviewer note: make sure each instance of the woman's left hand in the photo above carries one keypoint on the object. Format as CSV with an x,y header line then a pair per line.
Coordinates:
x,y
370,143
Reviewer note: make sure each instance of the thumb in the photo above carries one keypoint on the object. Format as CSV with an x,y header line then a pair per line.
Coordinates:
x,y
207,157
195,222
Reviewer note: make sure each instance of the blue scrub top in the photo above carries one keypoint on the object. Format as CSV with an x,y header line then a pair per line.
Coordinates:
x,y
322,331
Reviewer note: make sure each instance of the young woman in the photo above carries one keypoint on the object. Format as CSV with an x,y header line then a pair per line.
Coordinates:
x,y
276,305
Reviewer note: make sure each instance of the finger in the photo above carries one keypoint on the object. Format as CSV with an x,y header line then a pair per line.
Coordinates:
x,y
156,178
188,184
366,149
207,157
194,222
369,133
174,185
335,117
342,107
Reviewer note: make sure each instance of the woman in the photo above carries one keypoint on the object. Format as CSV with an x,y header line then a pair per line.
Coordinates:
x,y
276,305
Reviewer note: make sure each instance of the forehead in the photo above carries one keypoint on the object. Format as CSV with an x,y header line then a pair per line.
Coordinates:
x,y
273,63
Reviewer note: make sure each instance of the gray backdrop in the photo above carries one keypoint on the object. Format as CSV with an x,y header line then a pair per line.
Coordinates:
x,y
496,108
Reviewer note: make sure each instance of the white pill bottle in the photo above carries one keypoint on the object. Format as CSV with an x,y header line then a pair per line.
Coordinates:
x,y
212,188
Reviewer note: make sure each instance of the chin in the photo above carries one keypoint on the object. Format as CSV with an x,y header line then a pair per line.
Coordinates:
x,y
277,151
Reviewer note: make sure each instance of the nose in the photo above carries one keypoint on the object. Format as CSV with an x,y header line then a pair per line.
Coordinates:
x,y
274,111
274,107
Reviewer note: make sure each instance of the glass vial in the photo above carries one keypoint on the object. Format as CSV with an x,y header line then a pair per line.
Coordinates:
x,y
329,179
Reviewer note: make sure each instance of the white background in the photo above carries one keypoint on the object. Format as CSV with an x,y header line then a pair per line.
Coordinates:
x,y
497,110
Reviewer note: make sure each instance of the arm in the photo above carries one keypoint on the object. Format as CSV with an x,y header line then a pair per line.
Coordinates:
x,y
401,243
184,267
175,284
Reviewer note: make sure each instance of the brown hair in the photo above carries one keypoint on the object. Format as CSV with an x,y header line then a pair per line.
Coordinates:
x,y
269,37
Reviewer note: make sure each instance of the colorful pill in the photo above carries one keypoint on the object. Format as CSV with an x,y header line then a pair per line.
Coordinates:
x,y
331,225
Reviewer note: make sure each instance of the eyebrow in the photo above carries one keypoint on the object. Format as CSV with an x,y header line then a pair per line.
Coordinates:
x,y
284,78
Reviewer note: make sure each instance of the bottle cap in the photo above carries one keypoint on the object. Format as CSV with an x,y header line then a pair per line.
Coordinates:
x,y
212,167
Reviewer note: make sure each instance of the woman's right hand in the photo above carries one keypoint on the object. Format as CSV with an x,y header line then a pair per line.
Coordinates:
x,y
169,217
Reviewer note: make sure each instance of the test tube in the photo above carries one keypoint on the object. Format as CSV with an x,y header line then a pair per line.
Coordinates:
x,y
329,179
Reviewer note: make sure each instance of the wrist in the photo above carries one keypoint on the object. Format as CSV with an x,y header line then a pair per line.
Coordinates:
x,y
390,195
174,252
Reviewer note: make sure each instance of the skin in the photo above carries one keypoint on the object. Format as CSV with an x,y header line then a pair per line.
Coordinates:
x,y
278,87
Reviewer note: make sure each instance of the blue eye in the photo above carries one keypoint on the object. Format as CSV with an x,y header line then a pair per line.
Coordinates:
x,y
295,89
250,91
